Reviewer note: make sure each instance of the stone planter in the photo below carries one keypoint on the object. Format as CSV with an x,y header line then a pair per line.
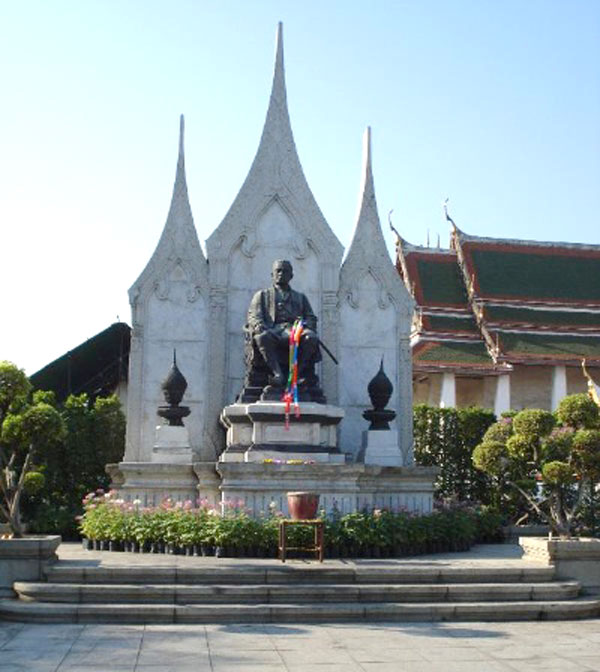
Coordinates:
x,y
512,533
25,559
577,559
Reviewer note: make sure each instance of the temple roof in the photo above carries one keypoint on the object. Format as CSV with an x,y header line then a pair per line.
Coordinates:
x,y
504,302
95,367
433,276
552,273
470,356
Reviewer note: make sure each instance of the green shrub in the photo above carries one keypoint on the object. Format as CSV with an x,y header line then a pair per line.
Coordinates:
x,y
578,411
108,518
533,423
446,438
490,456
566,459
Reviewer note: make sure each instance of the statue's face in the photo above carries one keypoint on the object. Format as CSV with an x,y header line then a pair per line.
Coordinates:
x,y
282,273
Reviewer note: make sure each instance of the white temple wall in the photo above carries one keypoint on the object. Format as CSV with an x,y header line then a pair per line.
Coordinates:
x,y
173,322
368,332
531,387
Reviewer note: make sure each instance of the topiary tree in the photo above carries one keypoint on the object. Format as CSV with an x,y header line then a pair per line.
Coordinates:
x,y
75,465
561,452
27,425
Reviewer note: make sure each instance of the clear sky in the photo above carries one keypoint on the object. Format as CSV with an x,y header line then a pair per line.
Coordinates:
x,y
492,103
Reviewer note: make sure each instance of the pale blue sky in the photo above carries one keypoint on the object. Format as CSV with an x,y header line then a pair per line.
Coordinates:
x,y
495,104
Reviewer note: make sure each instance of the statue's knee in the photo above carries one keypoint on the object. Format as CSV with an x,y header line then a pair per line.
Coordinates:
x,y
262,339
310,341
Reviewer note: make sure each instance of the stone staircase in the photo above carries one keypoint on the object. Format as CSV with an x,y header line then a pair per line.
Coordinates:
x,y
295,593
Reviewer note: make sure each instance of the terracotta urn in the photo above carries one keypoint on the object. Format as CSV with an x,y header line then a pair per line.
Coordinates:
x,y
303,505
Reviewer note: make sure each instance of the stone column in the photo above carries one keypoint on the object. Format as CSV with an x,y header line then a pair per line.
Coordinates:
x,y
502,399
559,385
448,392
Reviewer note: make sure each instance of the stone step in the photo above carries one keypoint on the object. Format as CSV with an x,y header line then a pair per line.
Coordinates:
x,y
182,594
286,574
52,612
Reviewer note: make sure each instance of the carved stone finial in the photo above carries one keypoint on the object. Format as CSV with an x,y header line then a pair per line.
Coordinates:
x,y
174,387
380,390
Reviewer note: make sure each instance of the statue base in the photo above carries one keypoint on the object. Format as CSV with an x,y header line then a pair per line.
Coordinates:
x,y
172,445
343,488
150,483
253,393
380,447
258,432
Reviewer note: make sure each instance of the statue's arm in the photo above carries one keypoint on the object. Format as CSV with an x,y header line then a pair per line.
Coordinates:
x,y
257,318
310,319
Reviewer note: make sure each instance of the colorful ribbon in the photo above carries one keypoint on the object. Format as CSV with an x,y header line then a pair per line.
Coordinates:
x,y
291,391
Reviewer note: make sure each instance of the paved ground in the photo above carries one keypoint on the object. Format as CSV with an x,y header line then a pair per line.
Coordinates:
x,y
415,647
484,555
387,647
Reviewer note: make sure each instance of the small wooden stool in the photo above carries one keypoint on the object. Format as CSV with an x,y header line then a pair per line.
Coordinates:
x,y
317,547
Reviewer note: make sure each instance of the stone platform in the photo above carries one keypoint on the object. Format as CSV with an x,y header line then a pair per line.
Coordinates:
x,y
345,487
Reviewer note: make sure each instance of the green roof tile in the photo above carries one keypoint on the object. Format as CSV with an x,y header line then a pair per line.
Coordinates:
x,y
452,353
545,317
562,277
550,346
450,323
440,282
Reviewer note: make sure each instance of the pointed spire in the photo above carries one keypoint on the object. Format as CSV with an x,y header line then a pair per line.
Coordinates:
x,y
180,159
178,238
276,175
180,222
179,200
367,233
277,123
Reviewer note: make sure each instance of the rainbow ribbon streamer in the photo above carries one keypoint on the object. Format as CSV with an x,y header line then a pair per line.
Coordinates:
x,y
291,391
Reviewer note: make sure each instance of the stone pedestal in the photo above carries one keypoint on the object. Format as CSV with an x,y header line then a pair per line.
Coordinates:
x,y
380,447
343,487
172,445
257,432
152,482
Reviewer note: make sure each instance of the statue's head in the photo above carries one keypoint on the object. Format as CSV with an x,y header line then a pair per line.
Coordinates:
x,y
282,272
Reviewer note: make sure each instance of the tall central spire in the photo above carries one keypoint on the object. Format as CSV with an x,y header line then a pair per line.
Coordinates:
x,y
275,175
277,124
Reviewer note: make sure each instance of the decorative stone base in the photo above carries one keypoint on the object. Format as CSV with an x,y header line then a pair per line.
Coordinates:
x,y
152,482
577,559
25,559
347,487
258,431
381,447
172,446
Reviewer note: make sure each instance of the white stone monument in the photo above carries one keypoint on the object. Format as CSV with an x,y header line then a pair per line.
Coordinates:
x,y
364,312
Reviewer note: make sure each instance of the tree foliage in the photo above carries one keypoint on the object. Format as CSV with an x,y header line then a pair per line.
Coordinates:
x,y
28,427
561,452
74,466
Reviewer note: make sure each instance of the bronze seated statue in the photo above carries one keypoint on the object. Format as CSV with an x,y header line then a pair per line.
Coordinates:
x,y
271,315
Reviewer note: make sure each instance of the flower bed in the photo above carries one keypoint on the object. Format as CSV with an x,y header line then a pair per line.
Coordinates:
x,y
185,528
